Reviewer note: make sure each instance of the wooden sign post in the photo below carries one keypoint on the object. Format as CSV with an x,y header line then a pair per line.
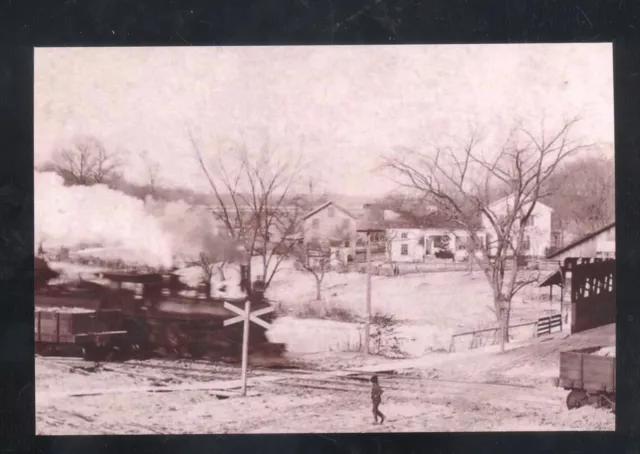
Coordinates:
x,y
246,316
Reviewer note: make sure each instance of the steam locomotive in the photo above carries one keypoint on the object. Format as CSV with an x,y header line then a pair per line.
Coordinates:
x,y
132,315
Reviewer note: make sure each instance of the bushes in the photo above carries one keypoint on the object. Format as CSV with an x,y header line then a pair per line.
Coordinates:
x,y
319,310
384,339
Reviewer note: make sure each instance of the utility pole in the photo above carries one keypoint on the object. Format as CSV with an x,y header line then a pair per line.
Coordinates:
x,y
368,227
367,329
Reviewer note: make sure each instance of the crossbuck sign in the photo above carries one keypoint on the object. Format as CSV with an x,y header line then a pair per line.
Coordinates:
x,y
253,316
246,316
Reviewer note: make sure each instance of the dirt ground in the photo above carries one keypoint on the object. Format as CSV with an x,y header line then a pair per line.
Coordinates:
x,y
478,390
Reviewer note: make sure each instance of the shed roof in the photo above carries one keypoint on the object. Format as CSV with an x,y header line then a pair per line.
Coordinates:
x,y
554,278
581,240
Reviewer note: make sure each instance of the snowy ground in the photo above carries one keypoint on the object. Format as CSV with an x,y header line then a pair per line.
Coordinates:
x,y
477,390
428,309
472,390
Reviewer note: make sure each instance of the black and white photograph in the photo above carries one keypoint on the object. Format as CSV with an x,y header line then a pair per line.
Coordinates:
x,y
324,239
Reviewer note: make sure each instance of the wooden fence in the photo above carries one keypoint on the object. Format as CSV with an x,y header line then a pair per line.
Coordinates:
x,y
548,325
542,326
478,341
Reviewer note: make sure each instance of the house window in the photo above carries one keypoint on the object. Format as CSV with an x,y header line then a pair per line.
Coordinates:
x,y
404,236
346,243
332,212
315,223
404,249
530,221
526,243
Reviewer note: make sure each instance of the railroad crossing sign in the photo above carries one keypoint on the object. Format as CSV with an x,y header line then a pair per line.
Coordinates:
x,y
253,316
246,316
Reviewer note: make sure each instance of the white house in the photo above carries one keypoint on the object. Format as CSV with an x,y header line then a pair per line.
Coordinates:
x,y
330,222
405,244
416,244
409,240
537,238
599,244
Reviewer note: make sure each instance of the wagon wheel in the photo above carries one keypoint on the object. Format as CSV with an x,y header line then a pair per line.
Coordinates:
x,y
607,400
576,399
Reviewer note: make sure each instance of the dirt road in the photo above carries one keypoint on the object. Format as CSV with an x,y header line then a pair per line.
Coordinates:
x,y
287,402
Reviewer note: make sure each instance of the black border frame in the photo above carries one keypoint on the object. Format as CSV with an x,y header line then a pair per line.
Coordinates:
x,y
24,25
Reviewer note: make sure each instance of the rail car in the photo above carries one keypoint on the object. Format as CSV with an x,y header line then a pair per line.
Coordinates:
x,y
144,315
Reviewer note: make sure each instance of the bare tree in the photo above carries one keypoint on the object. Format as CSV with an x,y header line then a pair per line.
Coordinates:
x,y
254,202
152,172
584,194
217,252
461,179
314,193
390,236
314,259
86,162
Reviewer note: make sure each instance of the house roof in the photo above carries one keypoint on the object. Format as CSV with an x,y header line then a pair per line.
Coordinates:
x,y
431,221
581,240
325,205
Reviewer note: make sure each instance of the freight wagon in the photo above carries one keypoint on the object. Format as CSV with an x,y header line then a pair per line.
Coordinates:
x,y
590,377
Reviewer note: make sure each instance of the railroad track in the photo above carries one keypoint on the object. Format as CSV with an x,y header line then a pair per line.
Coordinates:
x,y
410,389
334,381
183,369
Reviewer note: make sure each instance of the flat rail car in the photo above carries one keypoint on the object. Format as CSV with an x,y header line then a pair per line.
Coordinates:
x,y
589,375
68,332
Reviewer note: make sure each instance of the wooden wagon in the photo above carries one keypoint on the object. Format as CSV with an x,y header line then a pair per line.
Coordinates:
x,y
589,377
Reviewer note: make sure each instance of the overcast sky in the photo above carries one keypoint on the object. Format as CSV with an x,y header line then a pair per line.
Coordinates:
x,y
343,106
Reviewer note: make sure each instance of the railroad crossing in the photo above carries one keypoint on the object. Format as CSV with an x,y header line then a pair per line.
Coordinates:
x,y
246,316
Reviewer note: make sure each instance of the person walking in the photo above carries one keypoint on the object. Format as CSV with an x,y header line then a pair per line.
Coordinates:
x,y
376,399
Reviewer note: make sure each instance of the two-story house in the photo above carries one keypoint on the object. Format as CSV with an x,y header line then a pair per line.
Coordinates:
x,y
537,239
332,225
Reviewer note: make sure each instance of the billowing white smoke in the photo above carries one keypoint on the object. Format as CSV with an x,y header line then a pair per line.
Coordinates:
x,y
72,216
187,225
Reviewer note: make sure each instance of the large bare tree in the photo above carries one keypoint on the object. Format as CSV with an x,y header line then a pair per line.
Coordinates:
x,y
85,162
255,201
462,180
